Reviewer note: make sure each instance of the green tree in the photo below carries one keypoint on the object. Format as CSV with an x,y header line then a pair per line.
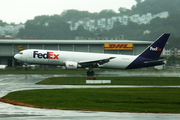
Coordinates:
x,y
2,23
107,14
124,11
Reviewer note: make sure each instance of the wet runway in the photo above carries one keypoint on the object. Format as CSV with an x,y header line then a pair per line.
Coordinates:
x,y
9,83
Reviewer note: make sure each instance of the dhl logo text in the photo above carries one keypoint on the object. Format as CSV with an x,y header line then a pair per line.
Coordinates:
x,y
48,55
118,46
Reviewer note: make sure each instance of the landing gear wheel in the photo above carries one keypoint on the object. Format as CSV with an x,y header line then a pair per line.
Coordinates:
x,y
26,68
90,73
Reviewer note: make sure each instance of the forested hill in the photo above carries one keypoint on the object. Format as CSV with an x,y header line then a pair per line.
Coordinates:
x,y
156,6
56,26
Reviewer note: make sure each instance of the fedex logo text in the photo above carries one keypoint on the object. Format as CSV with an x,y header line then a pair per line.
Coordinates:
x,y
48,55
155,49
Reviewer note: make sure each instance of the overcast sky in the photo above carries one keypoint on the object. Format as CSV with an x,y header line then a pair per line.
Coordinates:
x,y
21,10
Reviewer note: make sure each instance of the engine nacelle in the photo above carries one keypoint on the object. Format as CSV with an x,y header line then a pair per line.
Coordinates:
x,y
71,65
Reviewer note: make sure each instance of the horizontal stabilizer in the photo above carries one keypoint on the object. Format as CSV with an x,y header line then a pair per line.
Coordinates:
x,y
155,61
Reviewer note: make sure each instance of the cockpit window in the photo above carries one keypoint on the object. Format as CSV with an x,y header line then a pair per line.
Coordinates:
x,y
20,53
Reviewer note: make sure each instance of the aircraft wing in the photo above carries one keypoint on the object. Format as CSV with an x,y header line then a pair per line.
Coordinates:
x,y
94,63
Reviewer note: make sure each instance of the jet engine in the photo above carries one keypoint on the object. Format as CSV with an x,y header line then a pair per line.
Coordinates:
x,y
71,65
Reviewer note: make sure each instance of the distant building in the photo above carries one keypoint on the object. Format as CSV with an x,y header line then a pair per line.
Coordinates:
x,y
107,23
171,52
178,53
10,29
166,53
121,37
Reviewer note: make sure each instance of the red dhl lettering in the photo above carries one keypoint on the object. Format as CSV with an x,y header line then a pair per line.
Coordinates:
x,y
118,46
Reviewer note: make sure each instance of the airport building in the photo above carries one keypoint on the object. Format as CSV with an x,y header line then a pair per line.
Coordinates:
x,y
9,47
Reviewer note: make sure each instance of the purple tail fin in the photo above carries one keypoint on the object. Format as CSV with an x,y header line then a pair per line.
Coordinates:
x,y
154,50
151,54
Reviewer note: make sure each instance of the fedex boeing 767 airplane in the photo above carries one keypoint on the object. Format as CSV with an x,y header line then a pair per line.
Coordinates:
x,y
74,60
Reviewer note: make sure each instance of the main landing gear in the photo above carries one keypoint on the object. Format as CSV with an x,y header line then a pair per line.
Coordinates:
x,y
90,72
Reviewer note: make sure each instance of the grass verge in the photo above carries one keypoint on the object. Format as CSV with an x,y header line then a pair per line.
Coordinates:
x,y
153,100
43,71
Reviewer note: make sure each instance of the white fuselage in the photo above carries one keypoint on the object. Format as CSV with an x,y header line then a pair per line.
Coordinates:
x,y
61,57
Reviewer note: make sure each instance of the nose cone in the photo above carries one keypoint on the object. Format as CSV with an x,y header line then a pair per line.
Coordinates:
x,y
17,56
